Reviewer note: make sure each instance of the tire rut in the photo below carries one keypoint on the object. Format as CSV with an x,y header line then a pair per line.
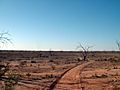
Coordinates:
x,y
69,80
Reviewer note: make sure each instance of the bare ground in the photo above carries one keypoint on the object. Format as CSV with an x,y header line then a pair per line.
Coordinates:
x,y
71,80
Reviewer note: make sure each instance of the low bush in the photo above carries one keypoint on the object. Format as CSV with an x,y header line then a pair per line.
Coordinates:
x,y
116,88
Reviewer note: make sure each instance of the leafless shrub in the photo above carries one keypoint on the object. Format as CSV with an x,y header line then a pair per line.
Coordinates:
x,y
28,75
100,76
4,40
11,81
49,76
33,62
53,67
85,50
3,70
116,88
23,63
118,45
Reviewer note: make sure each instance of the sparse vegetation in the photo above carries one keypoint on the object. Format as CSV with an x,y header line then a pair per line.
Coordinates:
x,y
53,67
4,40
118,45
101,76
43,72
23,63
3,70
11,81
116,88
33,61
28,75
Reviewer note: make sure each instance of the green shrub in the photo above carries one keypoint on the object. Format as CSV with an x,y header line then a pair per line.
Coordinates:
x,y
11,81
3,70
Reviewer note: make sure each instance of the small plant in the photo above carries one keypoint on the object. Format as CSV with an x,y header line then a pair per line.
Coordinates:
x,y
51,60
30,65
33,61
78,59
115,68
116,74
116,88
53,67
100,76
11,81
104,76
23,63
28,75
3,70
49,76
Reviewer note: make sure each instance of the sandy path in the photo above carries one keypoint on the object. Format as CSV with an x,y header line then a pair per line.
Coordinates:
x,y
71,80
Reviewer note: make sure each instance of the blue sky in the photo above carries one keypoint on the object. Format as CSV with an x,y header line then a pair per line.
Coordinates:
x,y
60,24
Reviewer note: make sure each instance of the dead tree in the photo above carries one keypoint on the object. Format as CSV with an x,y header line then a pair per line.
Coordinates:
x,y
11,79
118,45
85,51
51,54
4,38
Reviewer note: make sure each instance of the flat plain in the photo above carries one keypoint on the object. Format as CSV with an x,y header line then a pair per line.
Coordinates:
x,y
63,70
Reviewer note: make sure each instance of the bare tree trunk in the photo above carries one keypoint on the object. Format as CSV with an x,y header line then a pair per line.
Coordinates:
x,y
118,45
85,51
84,58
